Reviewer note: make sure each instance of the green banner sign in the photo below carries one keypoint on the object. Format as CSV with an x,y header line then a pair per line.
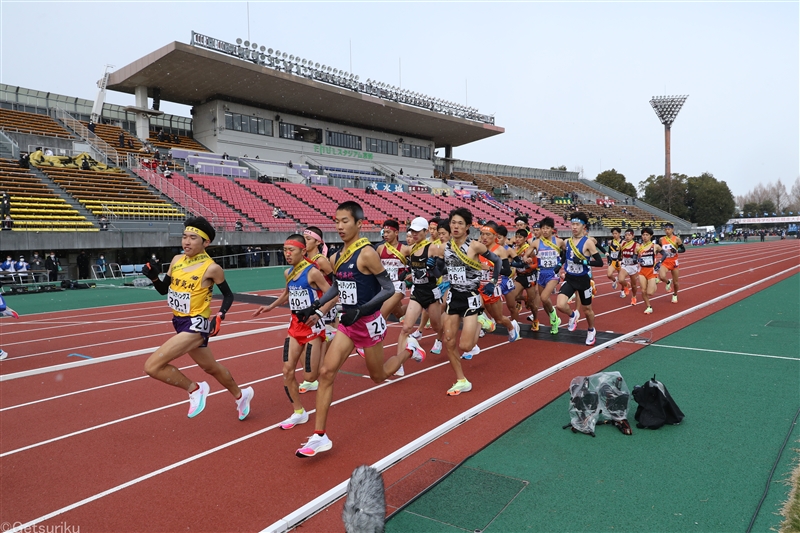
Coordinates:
x,y
343,152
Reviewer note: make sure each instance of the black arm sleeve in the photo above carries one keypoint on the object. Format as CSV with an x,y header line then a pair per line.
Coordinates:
x,y
505,269
329,295
227,298
602,249
497,263
438,268
596,260
162,286
386,292
681,248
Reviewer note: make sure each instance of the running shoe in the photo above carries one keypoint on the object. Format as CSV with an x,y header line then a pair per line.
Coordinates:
x,y
197,399
243,403
487,324
9,312
648,311
400,372
481,334
633,300
462,385
590,337
674,298
428,325
571,299
3,354
594,287
628,290
513,335
306,386
316,443
554,325
614,285
437,347
535,325
573,320
417,353
472,353
623,294
416,335
360,351
294,420
669,285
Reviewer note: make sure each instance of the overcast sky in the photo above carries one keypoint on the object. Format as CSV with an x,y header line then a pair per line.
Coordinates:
x,y
569,82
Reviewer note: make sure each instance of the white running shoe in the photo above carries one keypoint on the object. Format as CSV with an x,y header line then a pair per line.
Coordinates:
x,y
9,312
316,443
590,337
481,334
573,320
416,335
648,311
437,347
243,403
513,335
306,386
472,353
360,351
3,354
622,294
197,399
674,300
614,285
400,372
295,419
417,353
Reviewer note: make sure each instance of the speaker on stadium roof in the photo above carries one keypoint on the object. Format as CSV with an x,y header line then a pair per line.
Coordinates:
x,y
156,98
277,118
400,140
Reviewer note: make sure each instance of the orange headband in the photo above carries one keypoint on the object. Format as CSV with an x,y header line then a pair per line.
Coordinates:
x,y
488,229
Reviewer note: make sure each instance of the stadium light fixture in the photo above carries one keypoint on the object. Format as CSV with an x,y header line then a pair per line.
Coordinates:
x,y
667,109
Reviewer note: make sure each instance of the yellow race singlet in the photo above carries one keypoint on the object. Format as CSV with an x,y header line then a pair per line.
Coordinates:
x,y
187,297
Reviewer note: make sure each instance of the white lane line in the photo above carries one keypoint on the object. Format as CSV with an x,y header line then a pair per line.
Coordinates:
x,y
726,351
322,501
133,353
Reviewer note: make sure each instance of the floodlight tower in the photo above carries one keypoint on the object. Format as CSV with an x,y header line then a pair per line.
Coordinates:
x,y
667,109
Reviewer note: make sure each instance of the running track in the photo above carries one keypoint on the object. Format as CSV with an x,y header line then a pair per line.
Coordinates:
x,y
95,444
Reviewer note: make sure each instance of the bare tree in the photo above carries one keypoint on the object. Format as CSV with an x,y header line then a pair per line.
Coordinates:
x,y
778,195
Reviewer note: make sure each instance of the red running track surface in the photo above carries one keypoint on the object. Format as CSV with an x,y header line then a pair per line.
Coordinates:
x,y
101,446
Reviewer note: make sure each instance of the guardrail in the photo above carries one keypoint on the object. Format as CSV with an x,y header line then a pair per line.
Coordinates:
x,y
103,149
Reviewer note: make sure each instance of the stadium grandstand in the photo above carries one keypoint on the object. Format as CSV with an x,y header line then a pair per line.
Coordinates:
x,y
259,159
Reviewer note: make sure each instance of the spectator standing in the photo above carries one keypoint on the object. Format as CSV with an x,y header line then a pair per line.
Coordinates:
x,y
91,126
48,152
102,264
8,224
85,164
53,266
37,263
5,204
103,223
238,226
130,143
22,267
121,139
83,265
259,253
176,139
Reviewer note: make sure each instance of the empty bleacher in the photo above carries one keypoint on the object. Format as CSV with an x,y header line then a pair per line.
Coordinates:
x,y
31,123
295,206
186,143
34,205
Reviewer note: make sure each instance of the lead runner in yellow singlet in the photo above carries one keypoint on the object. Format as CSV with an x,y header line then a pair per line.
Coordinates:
x,y
188,285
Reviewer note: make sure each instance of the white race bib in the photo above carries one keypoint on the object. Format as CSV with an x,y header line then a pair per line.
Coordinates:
x,y
377,327
399,287
200,324
548,262
572,268
647,261
474,302
392,270
348,295
458,275
299,299
179,301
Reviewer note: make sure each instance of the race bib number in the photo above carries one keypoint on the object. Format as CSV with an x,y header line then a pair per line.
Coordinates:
x,y
498,290
179,301
458,275
399,286
548,262
437,293
587,294
299,299
348,295
532,278
647,261
318,327
377,327
614,255
486,275
509,283
392,270
200,324
572,268
629,261
474,302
